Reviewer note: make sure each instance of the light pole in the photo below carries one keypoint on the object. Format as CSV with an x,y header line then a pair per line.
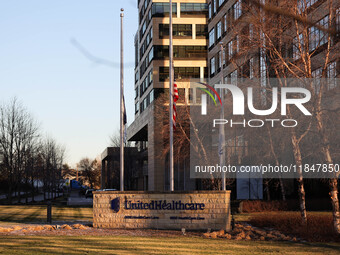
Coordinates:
x,y
222,135
171,103
121,102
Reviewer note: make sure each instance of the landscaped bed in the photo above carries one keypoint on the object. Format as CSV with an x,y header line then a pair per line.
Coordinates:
x,y
318,229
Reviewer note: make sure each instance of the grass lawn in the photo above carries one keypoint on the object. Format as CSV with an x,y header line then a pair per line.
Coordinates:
x,y
152,245
130,244
33,213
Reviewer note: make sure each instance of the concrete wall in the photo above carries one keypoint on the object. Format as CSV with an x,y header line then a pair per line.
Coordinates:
x,y
209,209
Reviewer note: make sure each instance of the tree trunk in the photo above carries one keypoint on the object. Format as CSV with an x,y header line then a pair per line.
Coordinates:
x,y
302,198
10,190
326,151
335,204
283,191
32,188
26,191
266,183
302,193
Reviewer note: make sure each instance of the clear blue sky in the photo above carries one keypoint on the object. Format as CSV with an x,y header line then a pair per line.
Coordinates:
x,y
75,100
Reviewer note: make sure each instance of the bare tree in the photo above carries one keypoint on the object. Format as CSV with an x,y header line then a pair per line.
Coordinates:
x,y
115,140
188,137
51,161
18,133
283,34
90,172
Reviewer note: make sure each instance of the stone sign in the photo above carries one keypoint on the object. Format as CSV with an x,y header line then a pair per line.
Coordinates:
x,y
197,210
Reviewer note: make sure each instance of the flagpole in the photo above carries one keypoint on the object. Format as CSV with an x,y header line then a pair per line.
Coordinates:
x,y
171,89
222,153
121,102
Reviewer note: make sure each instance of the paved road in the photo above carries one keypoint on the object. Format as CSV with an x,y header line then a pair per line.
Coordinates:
x,y
13,194
37,198
75,199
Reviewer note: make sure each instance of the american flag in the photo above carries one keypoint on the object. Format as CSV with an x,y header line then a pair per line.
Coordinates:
x,y
175,100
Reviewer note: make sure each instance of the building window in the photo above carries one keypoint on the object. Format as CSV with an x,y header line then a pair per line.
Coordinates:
x,y
201,31
233,77
318,37
237,10
162,51
136,76
178,30
331,75
230,50
212,66
305,4
149,37
225,21
224,55
338,20
237,44
149,15
251,31
163,9
180,73
152,96
317,73
219,59
150,56
210,11
145,103
215,7
220,2
251,68
136,92
297,44
142,31
193,9
212,37
150,77
263,76
136,108
331,70
219,30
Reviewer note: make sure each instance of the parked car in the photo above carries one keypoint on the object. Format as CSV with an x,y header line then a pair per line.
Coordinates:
x,y
89,193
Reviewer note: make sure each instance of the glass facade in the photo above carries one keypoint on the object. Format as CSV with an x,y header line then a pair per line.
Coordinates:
x,y
162,51
180,73
193,9
201,31
178,30
163,9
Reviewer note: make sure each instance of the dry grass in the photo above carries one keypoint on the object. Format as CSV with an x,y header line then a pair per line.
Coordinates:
x,y
318,229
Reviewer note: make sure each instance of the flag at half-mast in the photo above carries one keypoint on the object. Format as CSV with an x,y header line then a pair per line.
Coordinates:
x,y
124,112
124,121
175,109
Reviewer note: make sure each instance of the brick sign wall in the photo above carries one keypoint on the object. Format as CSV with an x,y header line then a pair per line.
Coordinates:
x,y
197,210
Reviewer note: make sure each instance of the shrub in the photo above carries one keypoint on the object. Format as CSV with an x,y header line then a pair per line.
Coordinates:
x,y
318,229
288,205
268,206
